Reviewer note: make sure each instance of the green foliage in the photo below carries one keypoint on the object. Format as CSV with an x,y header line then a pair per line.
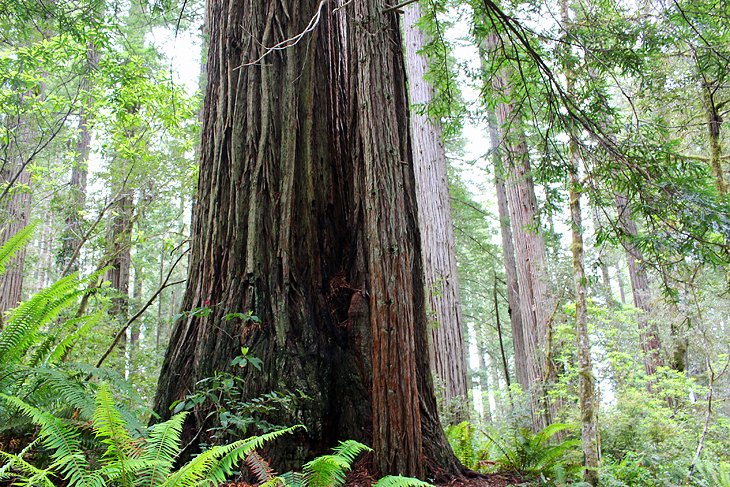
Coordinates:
x,y
399,481
15,243
223,394
126,459
469,448
712,475
330,470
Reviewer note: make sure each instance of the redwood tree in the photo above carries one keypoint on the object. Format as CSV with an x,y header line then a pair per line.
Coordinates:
x,y
306,216
448,354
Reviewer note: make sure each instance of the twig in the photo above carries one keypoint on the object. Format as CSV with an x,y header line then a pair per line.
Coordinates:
x,y
399,6
292,41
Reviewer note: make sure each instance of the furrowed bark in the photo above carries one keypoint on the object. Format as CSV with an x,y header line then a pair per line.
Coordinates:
x,y
306,216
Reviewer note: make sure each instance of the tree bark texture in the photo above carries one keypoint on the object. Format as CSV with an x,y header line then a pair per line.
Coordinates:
x,y
448,354
714,124
306,216
648,333
535,304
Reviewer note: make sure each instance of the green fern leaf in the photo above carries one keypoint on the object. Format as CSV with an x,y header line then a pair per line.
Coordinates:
x,y
62,440
162,446
399,481
15,243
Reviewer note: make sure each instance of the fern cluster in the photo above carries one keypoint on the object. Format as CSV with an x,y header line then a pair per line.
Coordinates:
x,y
126,459
35,341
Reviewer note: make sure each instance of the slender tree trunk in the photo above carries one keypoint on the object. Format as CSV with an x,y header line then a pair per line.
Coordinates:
x,y
535,305
714,124
72,238
648,333
586,382
448,355
587,387
306,216
620,279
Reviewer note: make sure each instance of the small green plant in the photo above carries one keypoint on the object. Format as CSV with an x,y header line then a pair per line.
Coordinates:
x,y
535,455
222,394
126,459
471,450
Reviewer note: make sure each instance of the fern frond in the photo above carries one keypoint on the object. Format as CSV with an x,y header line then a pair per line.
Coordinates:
x,y
326,471
24,473
259,467
289,479
76,328
331,470
162,446
15,243
23,325
62,440
217,464
350,450
400,481
110,429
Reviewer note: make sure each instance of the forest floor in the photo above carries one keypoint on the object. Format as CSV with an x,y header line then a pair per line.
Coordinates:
x,y
361,476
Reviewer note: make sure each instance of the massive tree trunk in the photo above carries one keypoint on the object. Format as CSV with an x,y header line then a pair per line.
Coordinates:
x,y
648,333
508,254
535,304
306,216
448,355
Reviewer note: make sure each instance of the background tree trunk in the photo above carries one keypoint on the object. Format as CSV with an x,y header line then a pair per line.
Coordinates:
x,y
648,333
15,207
72,238
508,254
448,354
535,305
306,216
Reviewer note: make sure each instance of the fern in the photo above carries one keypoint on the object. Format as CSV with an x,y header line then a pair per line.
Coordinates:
x,y
330,470
259,467
162,447
128,462
15,243
61,439
400,481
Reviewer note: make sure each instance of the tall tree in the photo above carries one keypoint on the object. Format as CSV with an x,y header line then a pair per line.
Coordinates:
x,y
72,237
529,245
306,216
508,253
587,388
448,354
